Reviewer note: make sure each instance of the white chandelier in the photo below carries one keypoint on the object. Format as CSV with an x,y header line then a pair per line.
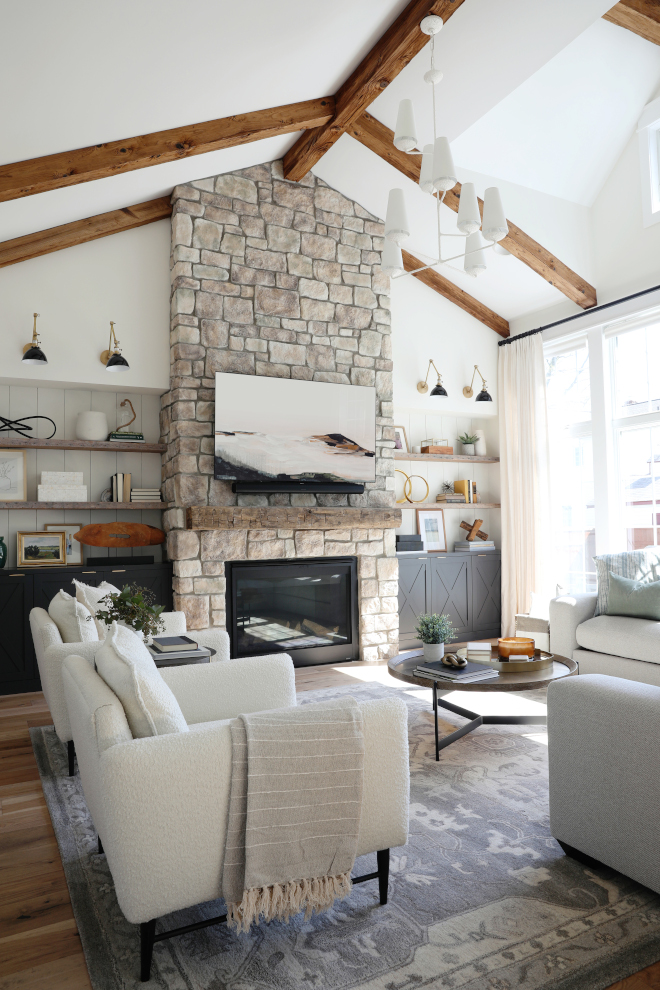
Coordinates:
x,y
437,177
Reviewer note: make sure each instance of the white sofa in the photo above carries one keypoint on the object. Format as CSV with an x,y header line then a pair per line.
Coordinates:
x,y
160,803
605,644
51,652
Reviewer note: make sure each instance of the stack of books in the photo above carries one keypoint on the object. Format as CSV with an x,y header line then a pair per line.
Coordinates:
x,y
169,650
121,487
471,672
478,546
127,437
451,497
145,495
478,651
409,544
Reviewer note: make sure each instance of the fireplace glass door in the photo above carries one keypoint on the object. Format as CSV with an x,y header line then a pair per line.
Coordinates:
x,y
303,607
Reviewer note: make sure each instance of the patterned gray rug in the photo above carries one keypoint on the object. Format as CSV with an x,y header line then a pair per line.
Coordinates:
x,y
481,898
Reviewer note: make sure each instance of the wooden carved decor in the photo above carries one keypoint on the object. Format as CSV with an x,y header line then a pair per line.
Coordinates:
x,y
473,530
120,534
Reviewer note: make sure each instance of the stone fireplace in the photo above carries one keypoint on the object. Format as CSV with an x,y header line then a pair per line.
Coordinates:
x,y
281,279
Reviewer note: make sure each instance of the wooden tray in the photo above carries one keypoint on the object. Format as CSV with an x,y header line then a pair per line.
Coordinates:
x,y
513,666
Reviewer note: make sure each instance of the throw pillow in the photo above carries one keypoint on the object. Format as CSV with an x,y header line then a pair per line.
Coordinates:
x,y
638,599
638,565
74,621
127,667
91,597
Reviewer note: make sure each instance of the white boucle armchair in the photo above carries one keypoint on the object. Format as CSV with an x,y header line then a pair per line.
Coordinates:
x,y
51,652
160,804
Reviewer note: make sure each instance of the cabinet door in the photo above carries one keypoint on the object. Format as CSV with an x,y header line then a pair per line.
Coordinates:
x,y
486,594
450,591
18,665
48,582
155,577
412,598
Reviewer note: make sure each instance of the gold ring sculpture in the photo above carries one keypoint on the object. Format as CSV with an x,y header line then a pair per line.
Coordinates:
x,y
407,488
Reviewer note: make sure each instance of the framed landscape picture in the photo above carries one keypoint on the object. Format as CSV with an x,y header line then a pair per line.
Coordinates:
x,y
13,476
72,549
34,549
431,527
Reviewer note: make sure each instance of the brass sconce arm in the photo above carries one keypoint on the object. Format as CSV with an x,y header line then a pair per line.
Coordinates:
x,y
423,386
113,345
468,391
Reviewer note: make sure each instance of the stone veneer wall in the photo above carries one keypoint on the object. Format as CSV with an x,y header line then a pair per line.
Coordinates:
x,y
275,278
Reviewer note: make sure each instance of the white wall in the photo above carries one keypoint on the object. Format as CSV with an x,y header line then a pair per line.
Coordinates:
x,y
125,278
426,325
63,406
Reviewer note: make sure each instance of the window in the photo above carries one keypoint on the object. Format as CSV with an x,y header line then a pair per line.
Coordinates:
x,y
639,462
648,129
636,368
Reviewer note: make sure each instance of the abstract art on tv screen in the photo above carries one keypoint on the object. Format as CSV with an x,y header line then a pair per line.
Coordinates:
x,y
276,429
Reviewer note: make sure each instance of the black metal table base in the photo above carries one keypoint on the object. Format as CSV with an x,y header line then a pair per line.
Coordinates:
x,y
474,720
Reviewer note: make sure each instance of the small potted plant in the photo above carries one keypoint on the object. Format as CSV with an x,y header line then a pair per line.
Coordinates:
x,y
434,631
134,607
468,440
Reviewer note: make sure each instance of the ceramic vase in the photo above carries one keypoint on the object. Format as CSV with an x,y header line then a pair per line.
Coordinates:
x,y
92,425
468,448
480,445
3,552
434,651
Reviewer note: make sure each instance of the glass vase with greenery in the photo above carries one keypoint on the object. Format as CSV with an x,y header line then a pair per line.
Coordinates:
x,y
434,631
134,607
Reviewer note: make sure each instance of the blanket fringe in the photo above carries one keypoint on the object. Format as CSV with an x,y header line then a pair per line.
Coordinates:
x,y
283,900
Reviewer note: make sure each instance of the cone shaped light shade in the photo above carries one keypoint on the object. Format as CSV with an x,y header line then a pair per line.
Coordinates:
x,y
397,228
426,171
444,173
392,262
405,135
469,218
474,261
494,225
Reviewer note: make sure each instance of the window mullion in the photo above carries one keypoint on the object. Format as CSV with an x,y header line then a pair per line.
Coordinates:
x,y
599,380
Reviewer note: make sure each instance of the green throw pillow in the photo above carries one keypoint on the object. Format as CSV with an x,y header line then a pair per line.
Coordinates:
x,y
638,599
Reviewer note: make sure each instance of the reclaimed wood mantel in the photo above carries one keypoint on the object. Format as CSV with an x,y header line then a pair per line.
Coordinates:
x,y
205,517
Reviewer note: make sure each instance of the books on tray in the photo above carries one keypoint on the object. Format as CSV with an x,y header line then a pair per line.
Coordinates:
x,y
120,437
471,672
460,546
203,653
456,498
166,644
145,495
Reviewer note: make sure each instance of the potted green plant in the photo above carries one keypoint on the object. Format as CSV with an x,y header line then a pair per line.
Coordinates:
x,y
468,440
434,631
134,607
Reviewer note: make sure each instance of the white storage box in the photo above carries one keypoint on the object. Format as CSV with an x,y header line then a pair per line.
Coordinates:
x,y
57,493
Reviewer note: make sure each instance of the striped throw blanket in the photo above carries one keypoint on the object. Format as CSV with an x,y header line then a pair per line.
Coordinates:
x,y
294,810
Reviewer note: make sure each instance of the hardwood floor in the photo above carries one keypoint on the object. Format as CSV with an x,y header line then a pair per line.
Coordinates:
x,y
39,943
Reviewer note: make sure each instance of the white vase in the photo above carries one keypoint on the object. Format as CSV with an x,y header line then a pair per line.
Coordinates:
x,y
434,651
92,425
468,448
480,445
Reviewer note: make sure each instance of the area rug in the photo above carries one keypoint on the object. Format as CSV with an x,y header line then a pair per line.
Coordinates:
x,y
481,897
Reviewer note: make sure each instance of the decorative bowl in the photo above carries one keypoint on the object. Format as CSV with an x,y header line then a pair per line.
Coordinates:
x,y
513,666
516,646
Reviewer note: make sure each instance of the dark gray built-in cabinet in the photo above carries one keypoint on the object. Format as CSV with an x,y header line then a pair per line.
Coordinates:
x,y
466,587
22,589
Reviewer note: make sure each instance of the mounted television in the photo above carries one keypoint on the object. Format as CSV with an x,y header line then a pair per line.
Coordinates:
x,y
284,432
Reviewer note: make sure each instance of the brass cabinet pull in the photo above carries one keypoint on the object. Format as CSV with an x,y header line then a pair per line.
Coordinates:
x,y
88,572
119,571
17,575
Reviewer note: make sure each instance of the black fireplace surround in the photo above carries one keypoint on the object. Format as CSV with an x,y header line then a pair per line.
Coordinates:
x,y
306,607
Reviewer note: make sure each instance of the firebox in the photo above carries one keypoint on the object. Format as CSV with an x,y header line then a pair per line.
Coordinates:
x,y
304,607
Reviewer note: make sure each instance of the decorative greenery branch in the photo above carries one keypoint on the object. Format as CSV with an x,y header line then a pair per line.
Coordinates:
x,y
135,607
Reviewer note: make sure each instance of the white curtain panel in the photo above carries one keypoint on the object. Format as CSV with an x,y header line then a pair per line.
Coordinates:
x,y
524,470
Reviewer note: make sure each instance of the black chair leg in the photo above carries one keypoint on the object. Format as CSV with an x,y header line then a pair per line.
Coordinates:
x,y
72,755
383,860
147,932
100,847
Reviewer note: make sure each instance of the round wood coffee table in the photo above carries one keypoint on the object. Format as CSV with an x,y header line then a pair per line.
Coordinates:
x,y
403,667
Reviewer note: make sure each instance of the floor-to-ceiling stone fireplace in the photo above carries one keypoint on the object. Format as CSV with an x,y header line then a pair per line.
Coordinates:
x,y
283,279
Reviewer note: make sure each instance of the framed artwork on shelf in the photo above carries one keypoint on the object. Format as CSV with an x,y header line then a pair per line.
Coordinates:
x,y
400,439
13,476
431,528
72,549
37,549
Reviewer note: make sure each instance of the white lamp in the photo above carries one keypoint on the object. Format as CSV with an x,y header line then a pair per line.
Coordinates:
x,y
392,262
444,173
469,218
397,228
426,170
494,225
405,135
474,259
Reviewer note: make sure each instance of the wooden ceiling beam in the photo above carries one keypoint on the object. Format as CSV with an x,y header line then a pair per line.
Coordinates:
x,y
380,139
68,168
80,231
392,53
442,285
642,17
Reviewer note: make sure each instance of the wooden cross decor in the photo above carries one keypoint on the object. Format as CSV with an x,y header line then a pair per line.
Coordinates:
x,y
473,530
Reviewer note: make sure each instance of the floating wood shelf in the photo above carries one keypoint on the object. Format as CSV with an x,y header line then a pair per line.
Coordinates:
x,y
26,444
403,455
467,506
83,505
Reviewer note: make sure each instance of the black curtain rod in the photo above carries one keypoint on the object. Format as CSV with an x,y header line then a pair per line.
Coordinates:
x,y
568,319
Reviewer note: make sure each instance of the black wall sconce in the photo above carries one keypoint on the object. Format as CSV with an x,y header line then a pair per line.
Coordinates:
x,y
32,353
113,358
483,396
439,388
